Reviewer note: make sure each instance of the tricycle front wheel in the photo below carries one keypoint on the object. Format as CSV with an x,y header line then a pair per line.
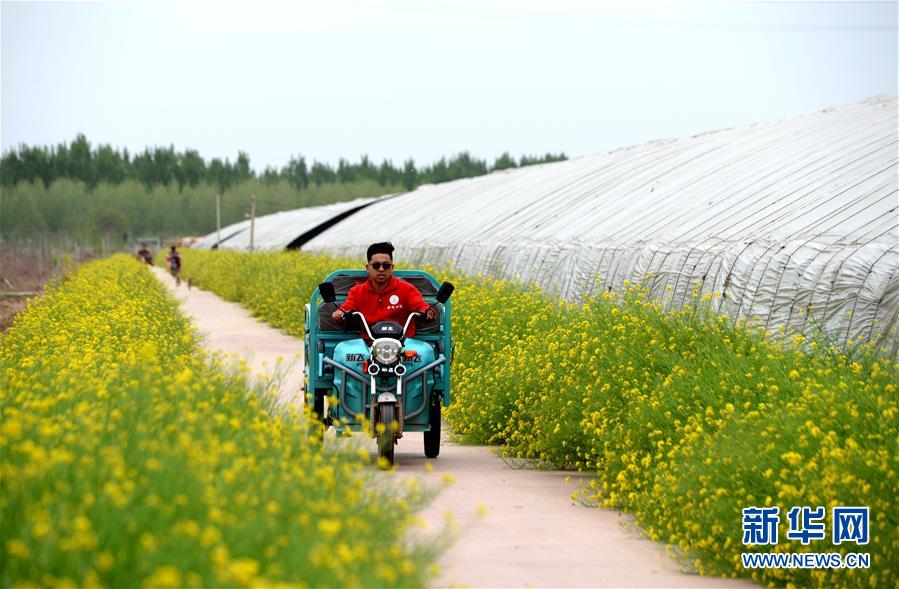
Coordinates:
x,y
432,438
386,436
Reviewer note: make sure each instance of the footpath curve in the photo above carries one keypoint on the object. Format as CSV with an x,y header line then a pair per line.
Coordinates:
x,y
517,528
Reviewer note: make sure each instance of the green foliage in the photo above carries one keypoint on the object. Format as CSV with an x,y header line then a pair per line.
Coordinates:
x,y
530,160
109,221
504,162
167,167
129,460
69,208
58,190
682,417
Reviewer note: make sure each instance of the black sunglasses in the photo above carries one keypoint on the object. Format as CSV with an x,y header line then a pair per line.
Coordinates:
x,y
379,265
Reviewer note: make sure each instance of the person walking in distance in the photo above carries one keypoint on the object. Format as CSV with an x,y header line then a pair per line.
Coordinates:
x,y
144,255
174,261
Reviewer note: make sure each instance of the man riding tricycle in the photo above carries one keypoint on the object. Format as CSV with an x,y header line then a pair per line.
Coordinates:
x,y
378,346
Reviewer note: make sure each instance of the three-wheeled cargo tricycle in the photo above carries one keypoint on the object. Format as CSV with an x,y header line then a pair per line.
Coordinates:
x,y
385,382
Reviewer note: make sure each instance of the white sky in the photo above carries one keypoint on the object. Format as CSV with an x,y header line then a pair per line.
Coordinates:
x,y
426,79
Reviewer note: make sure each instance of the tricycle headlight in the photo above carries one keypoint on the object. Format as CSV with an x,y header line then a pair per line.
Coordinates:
x,y
386,351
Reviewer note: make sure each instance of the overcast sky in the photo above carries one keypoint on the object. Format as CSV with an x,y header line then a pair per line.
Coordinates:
x,y
426,79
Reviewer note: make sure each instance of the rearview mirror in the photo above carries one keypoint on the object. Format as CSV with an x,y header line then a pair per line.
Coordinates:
x,y
326,289
446,289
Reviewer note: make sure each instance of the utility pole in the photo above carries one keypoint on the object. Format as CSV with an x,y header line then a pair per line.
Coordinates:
x,y
218,219
252,221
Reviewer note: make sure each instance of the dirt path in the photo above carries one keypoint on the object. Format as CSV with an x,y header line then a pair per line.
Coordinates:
x,y
231,330
517,528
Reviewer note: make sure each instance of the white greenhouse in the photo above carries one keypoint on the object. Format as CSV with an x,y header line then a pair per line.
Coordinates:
x,y
280,230
791,224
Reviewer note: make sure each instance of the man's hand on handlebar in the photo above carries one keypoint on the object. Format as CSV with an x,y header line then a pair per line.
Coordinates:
x,y
430,313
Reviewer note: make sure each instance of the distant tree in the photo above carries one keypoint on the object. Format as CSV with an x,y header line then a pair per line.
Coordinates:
x,y
10,169
81,165
217,173
437,172
322,174
296,173
242,169
165,165
387,174
366,170
504,162
345,171
410,175
30,164
60,165
465,166
142,168
270,175
109,165
529,160
20,214
109,222
193,168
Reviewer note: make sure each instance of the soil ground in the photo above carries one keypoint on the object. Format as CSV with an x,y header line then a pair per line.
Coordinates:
x,y
25,270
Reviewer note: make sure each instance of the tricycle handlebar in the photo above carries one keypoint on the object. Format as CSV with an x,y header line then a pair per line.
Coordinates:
x,y
412,316
364,323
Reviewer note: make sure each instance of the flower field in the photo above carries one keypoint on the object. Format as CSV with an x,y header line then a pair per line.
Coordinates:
x,y
683,418
131,460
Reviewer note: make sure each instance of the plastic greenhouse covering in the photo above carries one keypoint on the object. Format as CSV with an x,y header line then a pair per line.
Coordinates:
x,y
791,224
279,230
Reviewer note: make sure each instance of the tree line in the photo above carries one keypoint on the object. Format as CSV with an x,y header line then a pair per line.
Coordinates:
x,y
76,193
79,161
69,211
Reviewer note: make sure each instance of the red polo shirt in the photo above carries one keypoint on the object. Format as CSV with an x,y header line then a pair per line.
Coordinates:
x,y
394,303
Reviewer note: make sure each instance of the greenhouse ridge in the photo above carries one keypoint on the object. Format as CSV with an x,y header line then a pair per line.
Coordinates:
x,y
791,223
